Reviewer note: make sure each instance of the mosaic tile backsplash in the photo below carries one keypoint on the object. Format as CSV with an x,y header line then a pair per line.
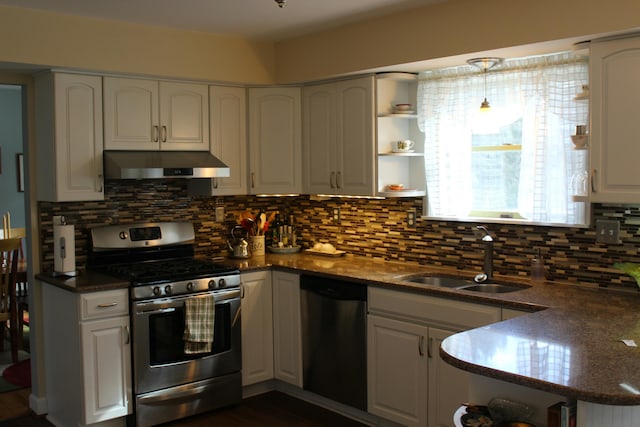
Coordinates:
x,y
367,227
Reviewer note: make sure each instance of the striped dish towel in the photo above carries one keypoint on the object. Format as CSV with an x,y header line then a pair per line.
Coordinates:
x,y
199,316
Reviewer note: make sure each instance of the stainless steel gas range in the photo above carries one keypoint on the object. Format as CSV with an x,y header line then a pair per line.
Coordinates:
x,y
185,319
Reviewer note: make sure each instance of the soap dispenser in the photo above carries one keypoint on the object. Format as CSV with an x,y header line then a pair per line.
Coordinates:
x,y
537,268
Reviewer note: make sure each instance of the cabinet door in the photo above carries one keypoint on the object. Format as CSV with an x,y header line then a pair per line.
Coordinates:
x,y
106,360
228,130
131,114
286,328
448,386
319,139
257,328
615,89
70,163
397,370
184,116
355,137
275,140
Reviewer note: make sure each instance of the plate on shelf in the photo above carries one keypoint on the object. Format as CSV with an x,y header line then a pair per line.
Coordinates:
x,y
327,254
285,250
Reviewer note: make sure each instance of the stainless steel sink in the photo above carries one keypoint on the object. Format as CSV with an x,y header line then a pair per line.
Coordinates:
x,y
443,281
493,288
463,284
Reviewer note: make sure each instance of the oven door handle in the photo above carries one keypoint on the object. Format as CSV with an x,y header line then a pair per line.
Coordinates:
x,y
162,396
158,311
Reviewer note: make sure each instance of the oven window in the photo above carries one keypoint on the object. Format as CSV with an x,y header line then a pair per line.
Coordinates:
x,y
165,335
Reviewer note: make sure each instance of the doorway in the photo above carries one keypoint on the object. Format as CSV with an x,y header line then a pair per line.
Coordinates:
x,y
17,145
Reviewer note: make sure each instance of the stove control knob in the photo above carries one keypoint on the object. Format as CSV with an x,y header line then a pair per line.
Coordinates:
x,y
190,286
212,284
167,289
221,283
156,291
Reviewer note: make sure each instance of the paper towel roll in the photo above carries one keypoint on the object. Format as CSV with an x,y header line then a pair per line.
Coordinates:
x,y
64,249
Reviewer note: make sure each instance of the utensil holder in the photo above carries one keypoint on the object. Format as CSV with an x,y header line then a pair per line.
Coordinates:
x,y
257,245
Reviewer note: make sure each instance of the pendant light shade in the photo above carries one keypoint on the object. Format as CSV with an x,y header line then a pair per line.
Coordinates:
x,y
485,64
280,3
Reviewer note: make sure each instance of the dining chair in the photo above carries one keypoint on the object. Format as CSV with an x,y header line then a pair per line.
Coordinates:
x,y
10,250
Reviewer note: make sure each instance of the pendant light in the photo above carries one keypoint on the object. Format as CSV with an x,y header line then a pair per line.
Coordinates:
x,y
485,64
280,3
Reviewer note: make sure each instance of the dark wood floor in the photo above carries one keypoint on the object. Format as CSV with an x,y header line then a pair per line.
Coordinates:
x,y
272,409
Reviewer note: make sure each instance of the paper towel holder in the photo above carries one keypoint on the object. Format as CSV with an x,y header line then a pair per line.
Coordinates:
x,y
64,251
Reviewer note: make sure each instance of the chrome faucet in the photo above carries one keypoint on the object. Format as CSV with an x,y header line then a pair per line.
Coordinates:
x,y
487,240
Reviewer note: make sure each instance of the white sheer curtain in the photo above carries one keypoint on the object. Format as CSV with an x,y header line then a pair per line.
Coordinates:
x,y
540,91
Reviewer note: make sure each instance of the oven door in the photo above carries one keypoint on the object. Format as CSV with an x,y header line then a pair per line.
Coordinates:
x,y
159,360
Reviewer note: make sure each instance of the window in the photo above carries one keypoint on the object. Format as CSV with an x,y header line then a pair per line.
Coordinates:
x,y
517,163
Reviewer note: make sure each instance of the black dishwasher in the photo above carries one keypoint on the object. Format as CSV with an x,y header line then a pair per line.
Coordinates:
x,y
334,339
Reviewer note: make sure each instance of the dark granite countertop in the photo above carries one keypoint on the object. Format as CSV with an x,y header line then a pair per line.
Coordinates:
x,y
572,340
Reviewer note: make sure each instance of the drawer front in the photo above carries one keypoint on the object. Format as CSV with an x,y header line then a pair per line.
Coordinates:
x,y
104,304
432,310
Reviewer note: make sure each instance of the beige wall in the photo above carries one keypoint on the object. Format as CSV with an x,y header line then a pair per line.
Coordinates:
x,y
449,28
55,40
446,29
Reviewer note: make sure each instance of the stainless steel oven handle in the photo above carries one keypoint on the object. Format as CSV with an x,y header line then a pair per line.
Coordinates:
x,y
158,311
171,303
164,395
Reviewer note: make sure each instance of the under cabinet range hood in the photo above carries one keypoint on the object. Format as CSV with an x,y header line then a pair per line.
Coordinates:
x,y
124,164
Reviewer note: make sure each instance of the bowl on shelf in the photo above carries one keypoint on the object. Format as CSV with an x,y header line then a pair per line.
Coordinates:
x,y
402,107
579,141
395,187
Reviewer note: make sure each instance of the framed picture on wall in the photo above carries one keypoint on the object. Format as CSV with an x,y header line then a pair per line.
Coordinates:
x,y
20,169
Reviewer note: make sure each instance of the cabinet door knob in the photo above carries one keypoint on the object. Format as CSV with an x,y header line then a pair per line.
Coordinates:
x,y
332,179
339,179
164,134
421,346
156,133
100,183
127,335
253,180
215,183
593,181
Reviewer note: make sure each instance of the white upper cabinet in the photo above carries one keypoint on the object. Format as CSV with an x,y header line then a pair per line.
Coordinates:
x,y
144,114
275,140
614,93
338,138
228,131
69,133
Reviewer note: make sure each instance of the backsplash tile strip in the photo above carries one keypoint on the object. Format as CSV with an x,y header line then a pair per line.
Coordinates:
x,y
372,228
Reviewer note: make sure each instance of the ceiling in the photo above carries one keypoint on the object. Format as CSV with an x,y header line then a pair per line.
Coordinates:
x,y
256,19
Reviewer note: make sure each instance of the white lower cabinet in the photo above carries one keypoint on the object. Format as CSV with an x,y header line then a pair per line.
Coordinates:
x,y
287,340
408,382
87,350
397,370
271,344
257,328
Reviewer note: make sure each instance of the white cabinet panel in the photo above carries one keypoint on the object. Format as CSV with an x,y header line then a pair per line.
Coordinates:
x,y
87,362
106,349
69,134
275,140
142,114
397,370
286,328
257,328
614,93
338,138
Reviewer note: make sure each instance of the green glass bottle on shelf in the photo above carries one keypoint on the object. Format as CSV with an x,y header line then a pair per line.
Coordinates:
x,y
275,231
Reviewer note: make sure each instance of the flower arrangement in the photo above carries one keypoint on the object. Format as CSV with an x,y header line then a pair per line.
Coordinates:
x,y
255,225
